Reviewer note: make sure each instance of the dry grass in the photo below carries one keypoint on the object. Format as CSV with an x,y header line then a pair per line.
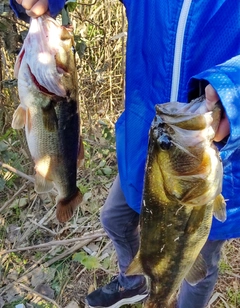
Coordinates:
x,y
27,220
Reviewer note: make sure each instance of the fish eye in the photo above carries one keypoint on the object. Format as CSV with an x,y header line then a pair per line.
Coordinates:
x,y
164,142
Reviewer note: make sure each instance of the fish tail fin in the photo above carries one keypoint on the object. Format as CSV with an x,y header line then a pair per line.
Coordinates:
x,y
67,206
19,118
42,185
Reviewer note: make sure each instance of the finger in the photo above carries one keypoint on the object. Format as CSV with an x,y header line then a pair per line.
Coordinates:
x,y
223,129
30,13
28,4
38,9
19,1
211,97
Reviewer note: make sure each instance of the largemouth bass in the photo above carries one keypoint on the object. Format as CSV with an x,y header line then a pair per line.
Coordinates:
x,y
182,191
49,110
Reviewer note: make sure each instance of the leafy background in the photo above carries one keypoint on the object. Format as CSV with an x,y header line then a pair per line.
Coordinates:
x,y
44,263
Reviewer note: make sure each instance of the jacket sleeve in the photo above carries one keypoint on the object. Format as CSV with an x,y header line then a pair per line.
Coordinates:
x,y
225,79
54,8
19,10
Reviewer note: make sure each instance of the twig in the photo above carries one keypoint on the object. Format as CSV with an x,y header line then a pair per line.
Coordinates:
x,y
79,225
67,253
87,4
86,241
106,271
233,274
42,227
7,203
44,219
29,231
20,173
26,274
54,243
38,294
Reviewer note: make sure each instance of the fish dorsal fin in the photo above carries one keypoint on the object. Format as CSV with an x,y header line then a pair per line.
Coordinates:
x,y
219,208
80,160
198,271
135,268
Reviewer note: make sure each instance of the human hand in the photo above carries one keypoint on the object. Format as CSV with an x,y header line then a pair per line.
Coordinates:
x,y
34,8
211,99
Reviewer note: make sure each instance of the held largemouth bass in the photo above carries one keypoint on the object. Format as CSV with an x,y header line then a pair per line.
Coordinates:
x,y
182,191
49,110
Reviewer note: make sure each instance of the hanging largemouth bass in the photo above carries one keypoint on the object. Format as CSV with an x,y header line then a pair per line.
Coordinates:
x,y
47,86
182,191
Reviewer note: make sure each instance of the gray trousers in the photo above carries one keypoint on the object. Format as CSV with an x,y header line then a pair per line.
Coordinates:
x,y
121,224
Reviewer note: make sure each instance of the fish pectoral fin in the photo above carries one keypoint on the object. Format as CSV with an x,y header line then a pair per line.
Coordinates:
x,y
42,185
198,271
67,206
219,208
19,118
135,268
195,219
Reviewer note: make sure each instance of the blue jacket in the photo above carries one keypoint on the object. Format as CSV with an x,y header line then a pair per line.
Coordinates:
x,y
174,49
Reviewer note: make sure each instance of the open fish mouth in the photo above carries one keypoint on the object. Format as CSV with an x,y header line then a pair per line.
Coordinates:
x,y
47,50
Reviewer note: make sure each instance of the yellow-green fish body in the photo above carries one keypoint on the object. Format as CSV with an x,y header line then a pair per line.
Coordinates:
x,y
182,189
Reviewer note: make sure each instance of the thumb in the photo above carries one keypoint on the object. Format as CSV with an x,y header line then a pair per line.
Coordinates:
x,y
38,9
211,97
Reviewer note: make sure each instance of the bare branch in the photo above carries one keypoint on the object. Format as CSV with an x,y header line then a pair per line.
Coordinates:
x,y
56,243
7,203
20,173
38,294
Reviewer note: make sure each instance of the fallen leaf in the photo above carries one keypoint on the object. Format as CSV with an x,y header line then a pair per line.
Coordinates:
x,y
44,289
72,304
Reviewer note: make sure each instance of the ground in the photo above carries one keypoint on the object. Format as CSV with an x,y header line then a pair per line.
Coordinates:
x,y
47,264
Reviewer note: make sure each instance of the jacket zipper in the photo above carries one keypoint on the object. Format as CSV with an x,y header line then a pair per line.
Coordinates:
x,y
178,49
